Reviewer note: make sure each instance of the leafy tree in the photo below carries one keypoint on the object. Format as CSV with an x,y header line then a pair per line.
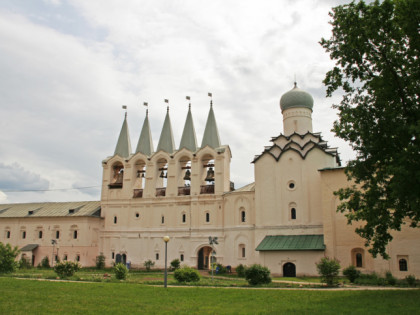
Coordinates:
x,y
121,271
175,264
186,274
100,261
149,264
328,269
45,262
376,48
8,255
257,274
66,268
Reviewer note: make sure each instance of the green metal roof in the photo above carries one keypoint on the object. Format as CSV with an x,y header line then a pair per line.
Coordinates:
x,y
211,133
166,140
145,144
188,139
123,147
29,248
51,209
292,242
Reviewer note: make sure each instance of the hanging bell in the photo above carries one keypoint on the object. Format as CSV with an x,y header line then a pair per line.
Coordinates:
x,y
138,174
210,175
162,174
187,175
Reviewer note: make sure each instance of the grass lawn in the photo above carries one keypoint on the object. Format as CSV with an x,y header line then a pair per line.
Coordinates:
x,y
22,296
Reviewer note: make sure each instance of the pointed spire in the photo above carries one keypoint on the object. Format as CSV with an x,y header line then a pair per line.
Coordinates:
x,y
123,147
166,141
145,144
211,133
189,139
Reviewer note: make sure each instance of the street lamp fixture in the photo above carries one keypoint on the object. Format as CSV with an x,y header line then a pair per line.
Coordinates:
x,y
166,240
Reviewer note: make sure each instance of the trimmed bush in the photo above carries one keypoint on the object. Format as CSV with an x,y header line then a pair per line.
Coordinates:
x,y
351,273
121,271
411,280
186,274
66,268
240,270
257,274
175,264
100,261
45,262
390,279
8,255
328,269
149,264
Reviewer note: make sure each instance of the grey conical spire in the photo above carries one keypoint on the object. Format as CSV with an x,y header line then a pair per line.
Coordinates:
x,y
123,148
211,134
145,144
166,140
189,139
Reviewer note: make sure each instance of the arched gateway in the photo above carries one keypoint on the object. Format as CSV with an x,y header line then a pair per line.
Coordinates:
x,y
203,259
289,270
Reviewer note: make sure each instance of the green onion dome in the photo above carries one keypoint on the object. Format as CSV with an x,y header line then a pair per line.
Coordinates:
x,y
296,98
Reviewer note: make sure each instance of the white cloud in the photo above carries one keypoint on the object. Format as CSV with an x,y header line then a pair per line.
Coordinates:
x,y
62,91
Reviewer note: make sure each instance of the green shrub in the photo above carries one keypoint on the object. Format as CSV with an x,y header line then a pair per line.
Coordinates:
x,y
175,264
220,269
100,261
8,255
411,280
24,263
370,279
121,271
390,279
66,269
45,262
149,264
351,273
328,269
240,270
257,274
186,274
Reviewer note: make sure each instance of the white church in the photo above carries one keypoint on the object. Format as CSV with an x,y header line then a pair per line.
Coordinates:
x,y
285,220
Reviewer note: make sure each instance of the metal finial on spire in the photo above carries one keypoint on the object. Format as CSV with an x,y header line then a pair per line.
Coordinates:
x,y
167,101
125,107
189,103
295,83
147,108
211,98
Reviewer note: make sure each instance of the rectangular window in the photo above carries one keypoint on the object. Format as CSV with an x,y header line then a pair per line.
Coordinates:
x,y
78,258
157,256
40,234
8,234
243,252
56,258
65,257
112,255
184,218
24,234
207,217
181,258
163,219
57,234
75,234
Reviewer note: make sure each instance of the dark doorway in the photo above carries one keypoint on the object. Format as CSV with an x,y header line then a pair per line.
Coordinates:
x,y
203,258
289,270
118,259
33,260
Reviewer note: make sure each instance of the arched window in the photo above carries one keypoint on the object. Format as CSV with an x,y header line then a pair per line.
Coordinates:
x,y
243,216
162,177
181,257
207,175
357,257
184,176
403,264
117,176
293,213
139,178
359,260
184,218
242,251
8,234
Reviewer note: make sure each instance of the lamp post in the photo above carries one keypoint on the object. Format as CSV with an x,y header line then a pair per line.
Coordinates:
x,y
53,242
166,240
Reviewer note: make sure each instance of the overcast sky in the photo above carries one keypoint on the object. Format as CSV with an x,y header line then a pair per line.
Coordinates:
x,y
66,67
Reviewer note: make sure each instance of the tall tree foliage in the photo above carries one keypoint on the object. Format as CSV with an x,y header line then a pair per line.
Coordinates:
x,y
376,48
